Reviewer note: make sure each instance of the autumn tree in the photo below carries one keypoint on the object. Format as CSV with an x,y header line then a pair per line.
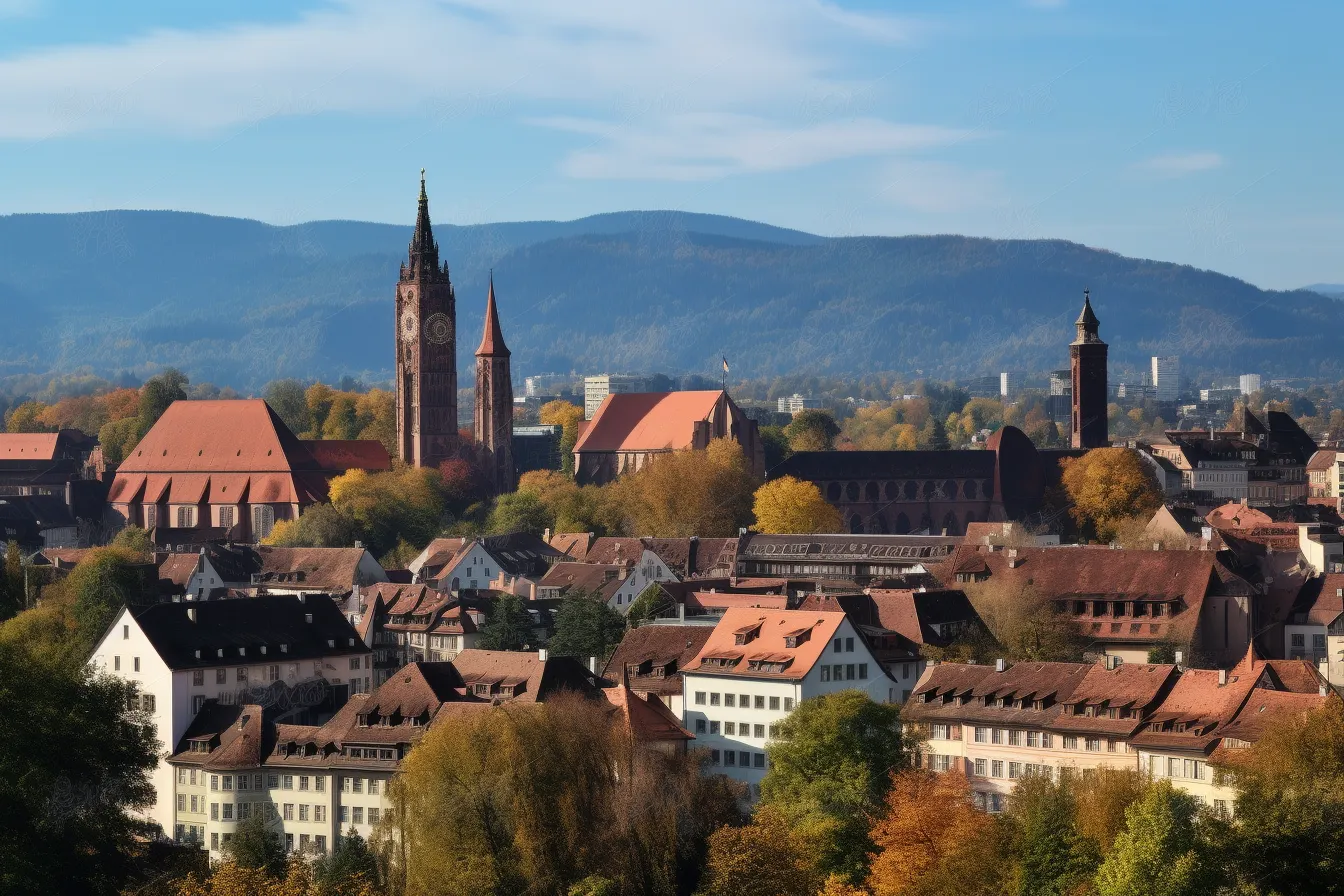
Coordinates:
x,y
585,627
829,771
1290,800
26,417
1158,853
767,852
380,509
930,840
1102,796
812,430
1107,486
519,512
788,505
1052,857
1024,624
682,493
567,416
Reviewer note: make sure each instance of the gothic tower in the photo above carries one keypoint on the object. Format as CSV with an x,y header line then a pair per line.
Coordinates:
x,y
1087,358
494,400
426,350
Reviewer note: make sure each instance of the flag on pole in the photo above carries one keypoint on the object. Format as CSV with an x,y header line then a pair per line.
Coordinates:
x,y
725,364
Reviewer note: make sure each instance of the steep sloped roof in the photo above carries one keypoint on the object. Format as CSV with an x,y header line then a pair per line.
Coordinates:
x,y
647,421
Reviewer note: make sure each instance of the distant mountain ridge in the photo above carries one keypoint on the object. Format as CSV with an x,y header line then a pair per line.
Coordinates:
x,y
240,302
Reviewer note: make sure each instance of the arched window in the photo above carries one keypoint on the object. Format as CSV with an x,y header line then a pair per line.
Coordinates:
x,y
263,521
968,489
833,492
902,524
871,492
856,524
950,490
852,491
929,489
893,491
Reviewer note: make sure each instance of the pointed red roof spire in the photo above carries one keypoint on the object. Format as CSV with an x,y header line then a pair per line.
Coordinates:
x,y
492,341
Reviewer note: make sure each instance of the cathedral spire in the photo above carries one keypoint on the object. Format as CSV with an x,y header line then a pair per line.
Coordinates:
x,y
424,252
492,341
1087,322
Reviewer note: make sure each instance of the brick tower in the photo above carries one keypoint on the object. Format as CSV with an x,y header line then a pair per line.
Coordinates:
x,y
494,400
1087,358
426,322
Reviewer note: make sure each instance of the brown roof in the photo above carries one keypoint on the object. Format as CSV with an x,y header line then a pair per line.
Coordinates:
x,y
178,568
575,544
65,558
652,647
769,645
722,600
646,716
1263,705
234,732
647,421
1321,461
492,340
517,668
340,455
324,569
1235,515
595,578
28,445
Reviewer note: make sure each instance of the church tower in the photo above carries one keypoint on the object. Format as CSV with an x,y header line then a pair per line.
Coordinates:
x,y
494,400
1087,358
426,370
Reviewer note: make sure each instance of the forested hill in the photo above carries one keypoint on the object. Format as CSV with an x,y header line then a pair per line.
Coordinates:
x,y
239,302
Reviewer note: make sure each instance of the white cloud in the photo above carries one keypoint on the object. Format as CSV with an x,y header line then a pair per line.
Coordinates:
x,y
443,60
1181,164
706,146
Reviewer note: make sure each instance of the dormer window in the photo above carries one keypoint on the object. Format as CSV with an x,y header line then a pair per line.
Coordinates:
x,y
747,634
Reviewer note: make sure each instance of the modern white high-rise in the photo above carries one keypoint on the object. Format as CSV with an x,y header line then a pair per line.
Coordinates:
x,y
597,388
796,403
1005,385
1250,382
1166,378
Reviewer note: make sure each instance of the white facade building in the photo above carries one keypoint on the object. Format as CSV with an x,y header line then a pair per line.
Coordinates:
x,y
796,403
1250,382
760,664
597,388
297,651
1167,378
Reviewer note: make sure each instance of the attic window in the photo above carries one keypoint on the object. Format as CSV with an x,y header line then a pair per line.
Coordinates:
x,y
794,639
747,633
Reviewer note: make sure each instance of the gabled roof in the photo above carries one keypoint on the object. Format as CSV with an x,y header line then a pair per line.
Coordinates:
x,y
649,647
594,578
28,446
235,733
648,421
542,677
769,645
1262,707
233,632
177,569
646,717
575,544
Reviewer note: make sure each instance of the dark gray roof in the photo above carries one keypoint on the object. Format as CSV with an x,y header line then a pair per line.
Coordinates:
x,y
233,632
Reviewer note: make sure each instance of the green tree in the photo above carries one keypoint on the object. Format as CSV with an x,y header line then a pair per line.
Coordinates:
x,y
585,626
74,767
812,430
509,625
157,394
106,580
118,437
342,420
319,526
135,540
287,399
829,772
1053,859
776,445
27,417
254,845
349,867
519,512
1158,853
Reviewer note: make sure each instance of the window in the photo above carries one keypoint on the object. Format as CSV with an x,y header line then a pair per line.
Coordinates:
x,y
788,704
198,678
699,726
227,782
1094,744
214,782
181,802
289,812
320,843
825,673
273,672
272,781
849,671
195,807
730,757
760,731
319,812
863,671
116,664
244,811
357,785
849,645
263,521
135,664
743,758
289,842
303,782
214,811
996,736
760,702
181,776
359,814
226,517
214,841
774,703
1070,742
345,814
303,842
729,699
837,645
996,768
1299,640
699,698
1014,738
373,815
758,760
303,811
981,768
714,698
1014,770
221,676
228,811
713,727
982,735
1033,738
729,728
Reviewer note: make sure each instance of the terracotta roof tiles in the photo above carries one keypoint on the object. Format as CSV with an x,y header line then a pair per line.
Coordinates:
x,y
647,421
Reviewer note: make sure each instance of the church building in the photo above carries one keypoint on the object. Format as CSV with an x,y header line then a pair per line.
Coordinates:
x,y
426,371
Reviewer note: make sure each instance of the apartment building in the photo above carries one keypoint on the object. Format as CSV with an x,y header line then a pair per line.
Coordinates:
x,y
297,654
313,783
997,724
756,666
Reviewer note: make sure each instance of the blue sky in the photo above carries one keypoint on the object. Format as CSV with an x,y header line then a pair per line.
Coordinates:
x,y
1202,133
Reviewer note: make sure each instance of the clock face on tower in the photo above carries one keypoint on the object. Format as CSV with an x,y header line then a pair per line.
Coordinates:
x,y
409,325
438,328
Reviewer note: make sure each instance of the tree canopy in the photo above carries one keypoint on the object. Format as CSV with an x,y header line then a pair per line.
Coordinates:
x,y
789,505
585,626
812,430
1106,487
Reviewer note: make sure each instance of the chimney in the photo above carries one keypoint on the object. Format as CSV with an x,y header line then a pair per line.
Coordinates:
x,y
546,535
1222,677
592,664
681,611
542,654
1000,664
360,545
1180,657
1013,561
1323,689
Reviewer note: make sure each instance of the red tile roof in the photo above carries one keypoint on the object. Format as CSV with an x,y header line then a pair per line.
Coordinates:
x,y
28,445
647,421
649,649
178,568
769,645
647,717
492,340
719,600
575,544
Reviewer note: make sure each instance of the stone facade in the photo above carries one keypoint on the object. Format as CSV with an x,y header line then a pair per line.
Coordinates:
x,y
426,325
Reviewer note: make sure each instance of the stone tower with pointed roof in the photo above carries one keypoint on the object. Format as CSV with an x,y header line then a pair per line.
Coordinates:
x,y
1087,358
494,400
426,373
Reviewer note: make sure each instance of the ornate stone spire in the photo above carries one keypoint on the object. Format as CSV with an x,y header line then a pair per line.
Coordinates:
x,y
492,341
1087,322
424,251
